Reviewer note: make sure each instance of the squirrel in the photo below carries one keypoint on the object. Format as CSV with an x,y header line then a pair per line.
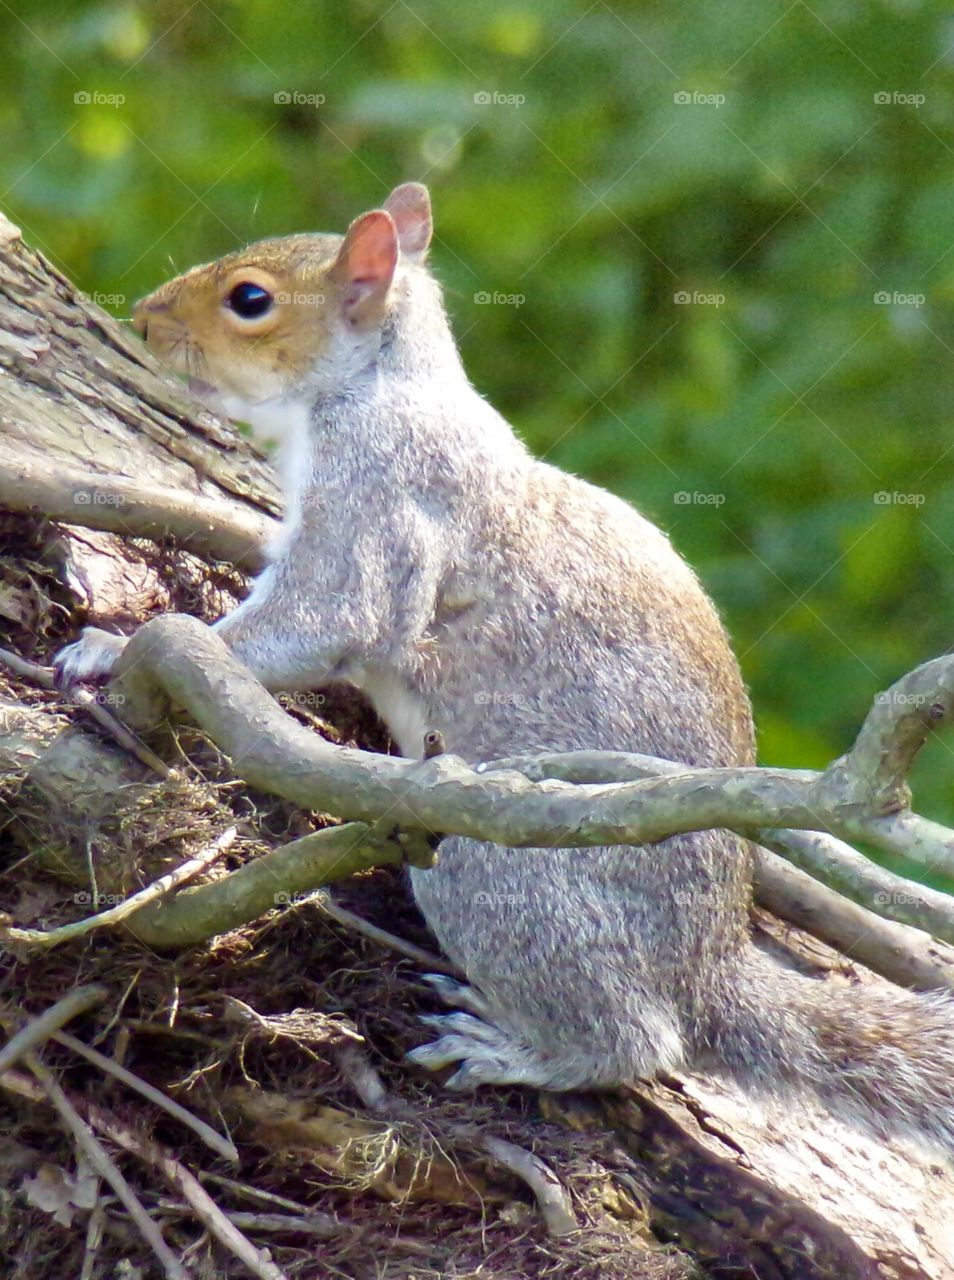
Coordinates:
x,y
428,558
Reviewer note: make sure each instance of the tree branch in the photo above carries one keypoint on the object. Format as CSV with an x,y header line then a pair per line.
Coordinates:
x,y
222,530
823,856
178,658
575,799
907,956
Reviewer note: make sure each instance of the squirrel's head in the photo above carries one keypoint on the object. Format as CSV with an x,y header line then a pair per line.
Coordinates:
x,y
286,316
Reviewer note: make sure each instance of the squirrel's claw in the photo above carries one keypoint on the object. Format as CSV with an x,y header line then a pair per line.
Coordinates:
x,y
487,1055
92,657
459,994
483,1061
463,1025
468,1077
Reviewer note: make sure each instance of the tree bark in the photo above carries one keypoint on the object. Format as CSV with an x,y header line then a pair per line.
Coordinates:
x,y
746,1188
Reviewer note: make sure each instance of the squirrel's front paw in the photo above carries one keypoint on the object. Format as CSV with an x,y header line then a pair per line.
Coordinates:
x,y
92,657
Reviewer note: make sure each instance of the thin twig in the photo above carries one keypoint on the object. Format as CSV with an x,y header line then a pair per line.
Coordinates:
x,y
103,1165
254,1193
43,677
117,730
314,1224
202,1204
844,869
904,955
261,884
39,1029
221,1146
308,1223
94,1237
348,918
135,902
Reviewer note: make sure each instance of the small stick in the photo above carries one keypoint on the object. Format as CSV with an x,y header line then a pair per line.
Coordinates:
x,y
221,1146
122,910
202,1204
550,1194
94,1238
44,678
32,671
117,730
363,1078
39,1029
99,1159
900,953
256,1193
434,964
315,1224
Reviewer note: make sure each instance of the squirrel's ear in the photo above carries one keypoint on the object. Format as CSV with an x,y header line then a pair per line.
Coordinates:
x,y
365,266
410,207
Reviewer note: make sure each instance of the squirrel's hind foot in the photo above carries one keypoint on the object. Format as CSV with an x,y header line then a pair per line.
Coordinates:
x,y
487,1055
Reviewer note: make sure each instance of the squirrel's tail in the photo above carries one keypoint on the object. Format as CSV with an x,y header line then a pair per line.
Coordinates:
x,y
882,1056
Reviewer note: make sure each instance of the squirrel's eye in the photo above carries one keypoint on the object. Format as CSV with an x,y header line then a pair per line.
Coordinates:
x,y
249,300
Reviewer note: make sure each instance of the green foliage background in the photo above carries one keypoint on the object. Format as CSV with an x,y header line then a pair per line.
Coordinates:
x,y
803,199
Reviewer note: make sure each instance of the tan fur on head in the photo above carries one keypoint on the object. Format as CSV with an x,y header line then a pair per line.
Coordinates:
x,y
190,325
317,287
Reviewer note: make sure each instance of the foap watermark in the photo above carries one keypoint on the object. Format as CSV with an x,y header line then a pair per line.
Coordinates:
x,y
687,897
487,899
97,498
484,98
301,299
102,299
294,98
685,298
884,498
893,98
107,699
692,98
87,899
285,897
898,698
899,899
896,299
499,698
94,98
685,498
485,299
300,698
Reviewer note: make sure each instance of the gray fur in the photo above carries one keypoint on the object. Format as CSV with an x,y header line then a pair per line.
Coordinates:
x,y
470,589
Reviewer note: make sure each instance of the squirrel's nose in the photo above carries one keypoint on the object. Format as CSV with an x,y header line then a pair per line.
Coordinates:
x,y
143,310
140,319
